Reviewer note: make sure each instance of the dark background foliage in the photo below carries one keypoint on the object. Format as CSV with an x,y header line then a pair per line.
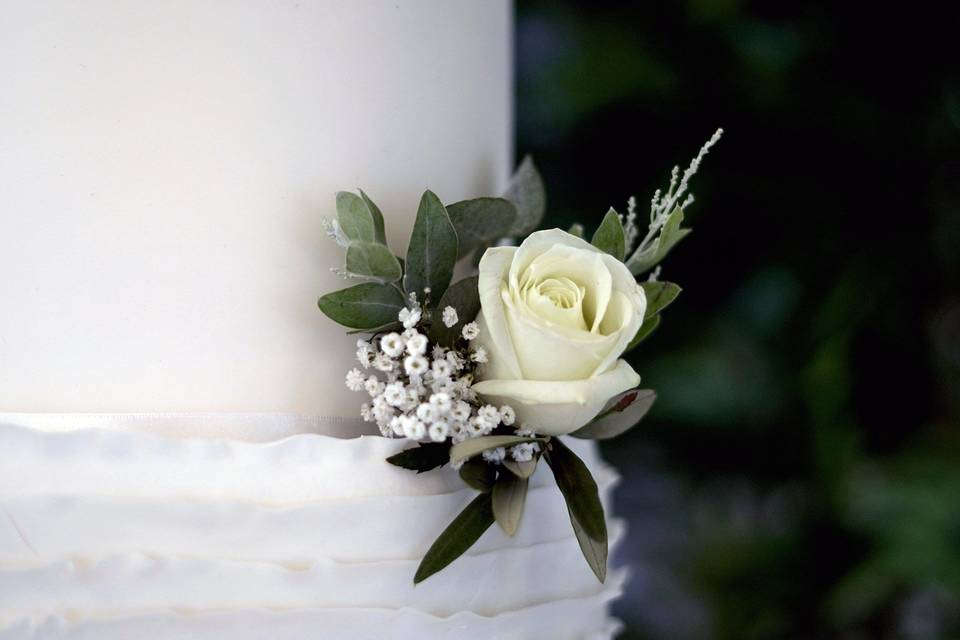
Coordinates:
x,y
799,476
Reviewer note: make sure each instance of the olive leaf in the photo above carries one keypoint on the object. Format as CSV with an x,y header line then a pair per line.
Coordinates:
x,y
426,456
671,233
582,496
609,236
626,411
464,297
474,446
509,496
528,195
659,296
481,221
372,260
363,306
379,232
521,469
432,252
478,474
643,332
355,218
459,536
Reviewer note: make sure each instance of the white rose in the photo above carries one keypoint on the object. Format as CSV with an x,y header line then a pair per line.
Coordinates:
x,y
557,313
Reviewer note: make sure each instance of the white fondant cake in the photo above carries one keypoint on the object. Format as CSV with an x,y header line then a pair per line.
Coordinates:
x,y
164,168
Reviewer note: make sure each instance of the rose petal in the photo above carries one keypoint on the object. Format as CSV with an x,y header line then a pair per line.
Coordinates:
x,y
559,407
494,333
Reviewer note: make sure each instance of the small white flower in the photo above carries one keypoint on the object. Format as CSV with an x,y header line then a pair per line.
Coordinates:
x,y
477,426
417,345
426,412
396,425
438,352
460,412
355,380
507,415
441,368
409,317
413,428
455,360
441,402
495,456
415,365
439,430
385,430
365,355
489,414
366,413
470,330
395,394
373,386
458,433
524,451
383,362
479,355
392,344
450,317
525,431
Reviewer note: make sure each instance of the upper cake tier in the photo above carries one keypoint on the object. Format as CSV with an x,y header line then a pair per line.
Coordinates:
x,y
164,168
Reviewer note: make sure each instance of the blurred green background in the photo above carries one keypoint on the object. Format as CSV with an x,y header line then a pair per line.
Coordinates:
x,y
799,476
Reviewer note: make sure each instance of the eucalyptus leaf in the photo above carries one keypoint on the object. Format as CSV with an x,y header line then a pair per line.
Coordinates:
x,y
426,456
363,306
644,331
432,252
594,551
579,489
379,231
459,536
464,296
355,218
395,326
609,236
521,469
627,410
478,474
481,222
474,446
659,296
670,235
509,496
529,196
373,260
576,229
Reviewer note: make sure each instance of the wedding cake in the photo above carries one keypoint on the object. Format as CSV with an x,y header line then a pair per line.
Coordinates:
x,y
178,455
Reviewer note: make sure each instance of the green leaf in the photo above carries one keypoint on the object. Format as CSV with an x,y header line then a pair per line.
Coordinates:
x,y
643,332
579,489
594,551
396,327
626,411
478,474
670,235
481,222
427,456
474,446
609,236
373,260
659,296
576,229
459,536
509,496
379,232
529,196
363,306
464,296
433,250
521,469
354,217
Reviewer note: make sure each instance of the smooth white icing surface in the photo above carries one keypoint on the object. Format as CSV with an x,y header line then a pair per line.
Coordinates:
x,y
164,168
136,527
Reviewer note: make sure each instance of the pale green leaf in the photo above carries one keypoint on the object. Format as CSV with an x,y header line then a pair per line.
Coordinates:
x,y
594,551
433,250
372,260
529,196
379,231
355,218
481,222
609,236
459,536
626,411
659,295
670,235
509,496
521,469
475,446
363,306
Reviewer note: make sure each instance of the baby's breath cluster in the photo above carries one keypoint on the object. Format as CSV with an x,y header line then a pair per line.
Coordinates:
x,y
423,391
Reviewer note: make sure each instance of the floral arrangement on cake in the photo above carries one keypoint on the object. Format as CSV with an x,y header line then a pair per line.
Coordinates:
x,y
487,372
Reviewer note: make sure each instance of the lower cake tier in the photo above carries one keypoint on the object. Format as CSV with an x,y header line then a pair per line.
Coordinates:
x,y
126,527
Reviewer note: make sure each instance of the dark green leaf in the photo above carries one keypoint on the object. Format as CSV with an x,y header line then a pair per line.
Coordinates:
x,y
609,236
433,250
478,474
474,446
464,296
576,229
594,551
644,332
363,306
354,217
459,536
509,496
426,456
627,410
579,489
670,235
527,193
481,222
521,469
379,232
373,260
659,296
